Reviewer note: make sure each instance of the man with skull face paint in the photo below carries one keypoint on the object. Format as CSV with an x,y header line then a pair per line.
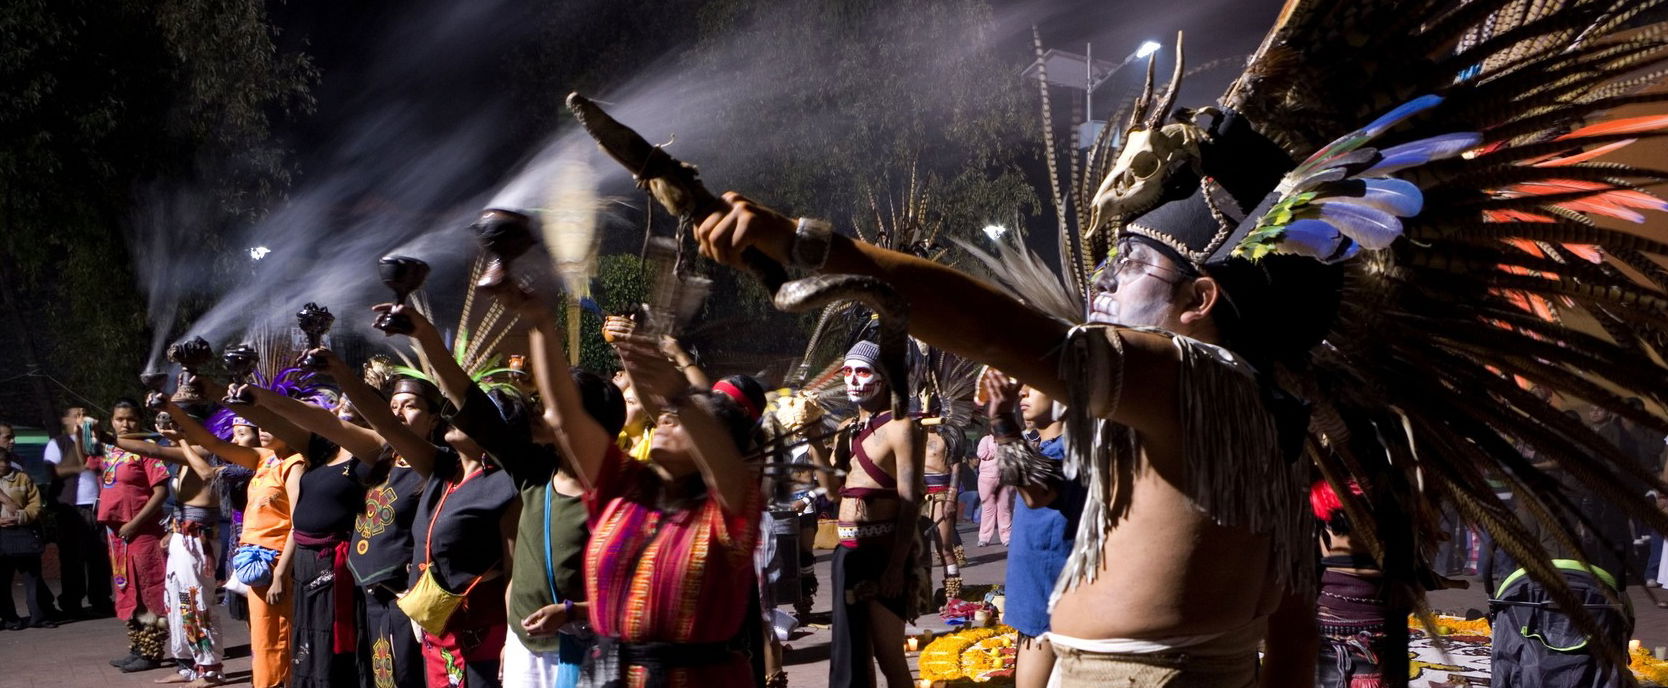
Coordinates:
x,y
875,576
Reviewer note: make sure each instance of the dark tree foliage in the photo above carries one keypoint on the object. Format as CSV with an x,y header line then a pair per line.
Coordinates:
x,y
113,101
104,100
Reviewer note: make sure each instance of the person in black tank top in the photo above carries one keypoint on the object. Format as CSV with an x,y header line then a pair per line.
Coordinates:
x,y
324,631
374,511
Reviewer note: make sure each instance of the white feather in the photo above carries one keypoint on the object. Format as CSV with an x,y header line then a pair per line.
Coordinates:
x,y
570,222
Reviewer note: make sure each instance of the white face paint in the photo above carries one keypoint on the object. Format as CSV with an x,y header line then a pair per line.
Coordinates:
x,y
862,382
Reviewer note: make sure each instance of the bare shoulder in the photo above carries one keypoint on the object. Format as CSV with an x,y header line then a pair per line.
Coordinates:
x,y
899,433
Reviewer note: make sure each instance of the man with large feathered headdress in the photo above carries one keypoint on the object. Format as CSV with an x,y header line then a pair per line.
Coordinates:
x,y
1264,315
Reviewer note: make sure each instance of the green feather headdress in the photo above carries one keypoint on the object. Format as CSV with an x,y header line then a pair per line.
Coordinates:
x,y
473,344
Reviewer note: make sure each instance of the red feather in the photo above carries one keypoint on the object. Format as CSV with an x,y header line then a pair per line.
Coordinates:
x,y
1587,252
1554,161
1630,125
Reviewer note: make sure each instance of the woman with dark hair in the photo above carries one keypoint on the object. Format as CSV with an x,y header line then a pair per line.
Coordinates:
x,y
192,546
373,541
466,505
324,631
1360,610
547,602
669,567
133,490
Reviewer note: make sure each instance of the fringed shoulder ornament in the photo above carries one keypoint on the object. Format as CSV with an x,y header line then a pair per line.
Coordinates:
x,y
1236,472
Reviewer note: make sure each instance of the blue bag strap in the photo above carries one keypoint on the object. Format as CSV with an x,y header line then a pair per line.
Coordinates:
x,y
549,566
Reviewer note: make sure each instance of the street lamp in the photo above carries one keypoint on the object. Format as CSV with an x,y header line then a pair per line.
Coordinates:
x,y
995,232
1058,64
1144,50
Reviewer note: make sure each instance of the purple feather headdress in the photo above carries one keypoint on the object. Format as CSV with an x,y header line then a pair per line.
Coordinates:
x,y
303,384
220,423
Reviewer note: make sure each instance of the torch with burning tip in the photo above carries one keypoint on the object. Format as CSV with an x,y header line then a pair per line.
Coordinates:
x,y
675,184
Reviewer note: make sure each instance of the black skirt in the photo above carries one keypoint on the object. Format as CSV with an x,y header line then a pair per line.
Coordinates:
x,y
315,663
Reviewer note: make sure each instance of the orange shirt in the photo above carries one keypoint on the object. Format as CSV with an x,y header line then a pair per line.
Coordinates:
x,y
266,520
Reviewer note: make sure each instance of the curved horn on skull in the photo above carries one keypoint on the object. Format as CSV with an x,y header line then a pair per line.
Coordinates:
x,y
817,291
1139,114
1168,103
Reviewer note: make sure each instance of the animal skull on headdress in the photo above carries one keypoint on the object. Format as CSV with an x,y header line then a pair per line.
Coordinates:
x,y
1151,153
1149,157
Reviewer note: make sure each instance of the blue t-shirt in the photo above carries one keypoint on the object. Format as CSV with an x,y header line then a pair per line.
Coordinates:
x,y
1042,540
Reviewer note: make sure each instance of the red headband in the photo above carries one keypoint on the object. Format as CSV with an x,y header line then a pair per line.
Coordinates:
x,y
735,394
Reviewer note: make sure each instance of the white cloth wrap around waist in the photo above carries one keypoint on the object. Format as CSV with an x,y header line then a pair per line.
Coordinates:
x,y
1241,640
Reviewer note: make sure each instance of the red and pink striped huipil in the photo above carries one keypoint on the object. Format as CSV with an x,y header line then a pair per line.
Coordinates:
x,y
669,576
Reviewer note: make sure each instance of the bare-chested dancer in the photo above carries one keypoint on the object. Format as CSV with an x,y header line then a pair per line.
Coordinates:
x,y
875,577
942,471
1169,607
193,546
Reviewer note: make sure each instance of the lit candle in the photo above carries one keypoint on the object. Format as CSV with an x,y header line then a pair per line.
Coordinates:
x,y
913,644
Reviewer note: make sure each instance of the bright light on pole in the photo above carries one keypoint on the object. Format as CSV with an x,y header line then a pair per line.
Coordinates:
x,y
1147,48
995,232
259,252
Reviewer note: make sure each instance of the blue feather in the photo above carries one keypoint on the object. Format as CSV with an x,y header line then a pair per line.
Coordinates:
x,y
590,304
1368,226
1315,239
1395,196
1404,111
1343,145
1419,152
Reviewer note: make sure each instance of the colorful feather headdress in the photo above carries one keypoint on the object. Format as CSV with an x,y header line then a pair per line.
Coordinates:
x,y
1445,173
474,342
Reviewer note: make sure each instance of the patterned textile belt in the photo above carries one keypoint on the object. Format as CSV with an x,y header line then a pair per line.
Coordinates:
x,y
195,520
938,483
852,533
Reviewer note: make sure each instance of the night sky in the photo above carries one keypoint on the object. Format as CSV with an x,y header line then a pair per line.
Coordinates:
x,y
395,74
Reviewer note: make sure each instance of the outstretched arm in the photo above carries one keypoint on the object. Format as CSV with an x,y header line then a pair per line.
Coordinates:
x,y
722,468
619,327
415,449
948,307
149,449
361,442
945,305
686,363
453,381
189,456
195,433
579,435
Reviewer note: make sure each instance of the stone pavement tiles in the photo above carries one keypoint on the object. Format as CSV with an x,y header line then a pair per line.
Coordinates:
x,y
76,655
